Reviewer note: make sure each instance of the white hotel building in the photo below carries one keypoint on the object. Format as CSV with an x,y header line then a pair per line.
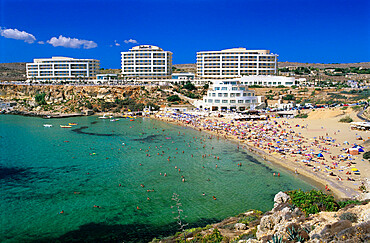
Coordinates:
x,y
146,62
268,81
235,62
229,95
57,69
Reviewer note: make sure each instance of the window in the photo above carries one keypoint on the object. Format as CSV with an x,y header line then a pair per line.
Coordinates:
x,y
237,94
244,94
225,95
224,101
232,101
232,95
247,101
217,101
217,88
240,101
242,88
234,88
210,100
224,88
213,94
219,95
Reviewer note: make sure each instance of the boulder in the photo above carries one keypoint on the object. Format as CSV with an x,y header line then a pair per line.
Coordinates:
x,y
340,226
281,197
240,226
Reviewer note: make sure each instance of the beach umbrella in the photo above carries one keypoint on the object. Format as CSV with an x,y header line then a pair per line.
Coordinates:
x,y
361,150
355,170
320,155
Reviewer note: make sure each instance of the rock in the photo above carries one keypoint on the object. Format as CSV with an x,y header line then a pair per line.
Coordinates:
x,y
249,241
281,197
297,213
339,226
240,226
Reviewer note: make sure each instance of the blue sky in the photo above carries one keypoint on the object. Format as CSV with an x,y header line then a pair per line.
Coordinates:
x,y
320,31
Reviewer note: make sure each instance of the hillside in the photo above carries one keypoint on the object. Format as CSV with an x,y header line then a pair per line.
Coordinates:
x,y
322,66
13,71
59,99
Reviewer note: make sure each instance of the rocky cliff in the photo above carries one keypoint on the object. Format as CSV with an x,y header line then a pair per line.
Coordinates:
x,y
286,223
71,99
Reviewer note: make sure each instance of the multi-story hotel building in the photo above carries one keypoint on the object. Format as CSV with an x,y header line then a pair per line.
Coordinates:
x,y
235,62
146,62
229,95
58,69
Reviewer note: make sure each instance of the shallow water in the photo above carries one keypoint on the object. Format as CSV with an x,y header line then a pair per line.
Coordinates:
x,y
46,170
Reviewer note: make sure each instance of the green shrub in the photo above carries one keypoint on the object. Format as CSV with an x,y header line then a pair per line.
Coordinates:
x,y
313,201
342,204
246,220
366,155
288,97
348,216
189,86
346,119
40,99
344,108
173,98
215,237
301,115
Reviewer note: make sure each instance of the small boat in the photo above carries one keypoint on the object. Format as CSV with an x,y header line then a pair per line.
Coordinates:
x,y
113,120
64,126
103,117
48,125
72,124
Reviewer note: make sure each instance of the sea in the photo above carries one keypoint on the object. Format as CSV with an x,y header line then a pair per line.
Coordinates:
x,y
105,181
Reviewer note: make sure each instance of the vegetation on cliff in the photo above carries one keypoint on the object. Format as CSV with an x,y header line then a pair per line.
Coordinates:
x,y
295,217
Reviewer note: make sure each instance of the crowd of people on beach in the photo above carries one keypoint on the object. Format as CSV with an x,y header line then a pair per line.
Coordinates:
x,y
280,140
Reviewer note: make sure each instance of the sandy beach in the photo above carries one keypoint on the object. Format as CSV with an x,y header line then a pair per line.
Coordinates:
x,y
315,148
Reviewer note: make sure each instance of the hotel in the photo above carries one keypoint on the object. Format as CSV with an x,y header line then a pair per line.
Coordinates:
x,y
146,62
235,62
231,95
58,69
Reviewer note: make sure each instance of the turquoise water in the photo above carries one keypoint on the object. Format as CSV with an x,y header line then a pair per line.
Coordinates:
x,y
46,170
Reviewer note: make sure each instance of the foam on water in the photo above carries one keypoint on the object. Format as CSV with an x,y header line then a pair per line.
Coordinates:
x,y
46,170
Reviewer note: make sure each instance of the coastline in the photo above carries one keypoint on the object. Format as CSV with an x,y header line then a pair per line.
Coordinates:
x,y
338,188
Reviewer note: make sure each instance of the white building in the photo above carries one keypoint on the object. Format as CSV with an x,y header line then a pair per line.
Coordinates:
x,y
236,62
183,76
107,77
267,80
146,62
57,69
229,95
